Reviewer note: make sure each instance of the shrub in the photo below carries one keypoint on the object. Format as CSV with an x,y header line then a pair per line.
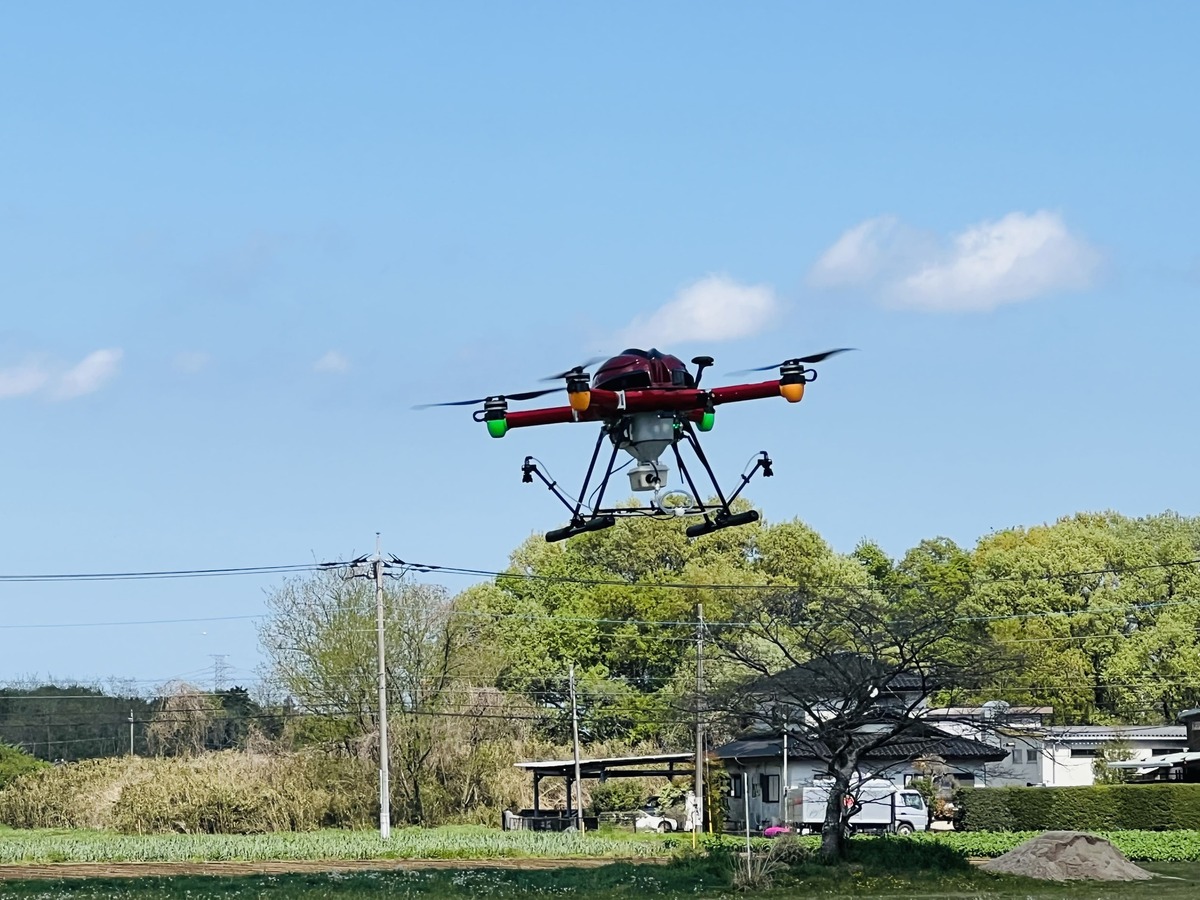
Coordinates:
x,y
619,794
14,762
1133,807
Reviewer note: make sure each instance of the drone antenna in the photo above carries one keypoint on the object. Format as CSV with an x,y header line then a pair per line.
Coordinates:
x,y
701,363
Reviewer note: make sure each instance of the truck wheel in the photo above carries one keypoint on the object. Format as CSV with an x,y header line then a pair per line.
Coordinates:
x,y
904,828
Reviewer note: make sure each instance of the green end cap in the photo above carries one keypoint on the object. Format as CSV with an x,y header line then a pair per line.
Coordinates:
x,y
497,428
707,420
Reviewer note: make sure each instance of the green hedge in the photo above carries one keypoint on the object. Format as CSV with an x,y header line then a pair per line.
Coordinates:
x,y
1102,807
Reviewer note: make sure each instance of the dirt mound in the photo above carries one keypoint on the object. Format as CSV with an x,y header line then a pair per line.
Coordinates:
x,y
1068,856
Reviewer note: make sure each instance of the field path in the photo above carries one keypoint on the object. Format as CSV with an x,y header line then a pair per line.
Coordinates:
x,y
17,871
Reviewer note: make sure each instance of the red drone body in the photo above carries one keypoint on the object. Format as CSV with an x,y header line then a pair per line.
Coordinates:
x,y
647,402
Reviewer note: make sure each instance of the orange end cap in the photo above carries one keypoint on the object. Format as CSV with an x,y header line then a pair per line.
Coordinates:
x,y
580,400
792,393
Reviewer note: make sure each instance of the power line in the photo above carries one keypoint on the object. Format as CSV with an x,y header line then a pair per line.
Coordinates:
x,y
166,573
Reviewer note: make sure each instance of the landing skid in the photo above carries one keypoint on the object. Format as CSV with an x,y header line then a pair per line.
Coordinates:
x,y
587,516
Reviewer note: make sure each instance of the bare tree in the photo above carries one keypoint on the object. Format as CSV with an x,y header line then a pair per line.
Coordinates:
x,y
320,640
849,672
183,719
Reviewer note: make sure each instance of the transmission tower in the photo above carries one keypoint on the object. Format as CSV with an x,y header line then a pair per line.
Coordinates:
x,y
220,671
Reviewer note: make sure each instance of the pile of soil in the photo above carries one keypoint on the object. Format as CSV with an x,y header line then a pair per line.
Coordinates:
x,y
1068,856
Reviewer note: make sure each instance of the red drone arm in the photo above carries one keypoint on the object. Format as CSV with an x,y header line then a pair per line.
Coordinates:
x,y
604,403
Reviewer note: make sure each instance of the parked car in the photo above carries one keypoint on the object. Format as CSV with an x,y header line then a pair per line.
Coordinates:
x,y
652,817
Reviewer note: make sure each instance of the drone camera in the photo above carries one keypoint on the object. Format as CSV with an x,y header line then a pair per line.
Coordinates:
x,y
648,477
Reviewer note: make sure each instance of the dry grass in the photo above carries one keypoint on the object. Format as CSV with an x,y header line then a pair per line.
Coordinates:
x,y
229,792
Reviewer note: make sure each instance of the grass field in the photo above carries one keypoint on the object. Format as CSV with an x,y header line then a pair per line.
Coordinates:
x,y
617,880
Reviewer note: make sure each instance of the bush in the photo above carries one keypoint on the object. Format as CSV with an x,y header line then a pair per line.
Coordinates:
x,y
1108,807
15,762
617,795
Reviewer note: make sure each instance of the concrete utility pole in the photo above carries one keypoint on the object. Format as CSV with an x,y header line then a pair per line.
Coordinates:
x,y
575,743
376,568
698,782
385,791
131,732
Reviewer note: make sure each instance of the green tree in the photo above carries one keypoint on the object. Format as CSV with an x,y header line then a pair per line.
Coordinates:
x,y
1113,751
1098,612
600,602
320,640
847,651
70,721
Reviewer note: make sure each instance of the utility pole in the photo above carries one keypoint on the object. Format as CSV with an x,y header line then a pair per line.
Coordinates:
x,y
385,791
376,571
783,790
698,782
575,747
131,732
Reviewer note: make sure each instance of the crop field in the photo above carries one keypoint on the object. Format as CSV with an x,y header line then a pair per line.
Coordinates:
x,y
466,842
481,843
476,861
610,882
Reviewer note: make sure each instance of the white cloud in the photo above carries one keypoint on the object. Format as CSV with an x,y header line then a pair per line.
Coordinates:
x,y
88,375
42,376
715,308
191,361
23,379
331,362
1016,258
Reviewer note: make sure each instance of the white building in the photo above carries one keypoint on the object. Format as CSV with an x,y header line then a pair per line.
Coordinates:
x,y
1052,755
768,776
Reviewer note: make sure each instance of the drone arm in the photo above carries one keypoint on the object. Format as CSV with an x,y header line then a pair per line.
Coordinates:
x,y
555,415
732,393
604,403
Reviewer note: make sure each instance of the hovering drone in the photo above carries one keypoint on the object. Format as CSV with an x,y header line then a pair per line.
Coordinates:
x,y
647,403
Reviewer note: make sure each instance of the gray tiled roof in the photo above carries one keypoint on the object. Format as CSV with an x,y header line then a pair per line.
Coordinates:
x,y
908,747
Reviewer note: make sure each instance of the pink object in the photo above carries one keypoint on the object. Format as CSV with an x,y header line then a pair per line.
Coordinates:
x,y
776,830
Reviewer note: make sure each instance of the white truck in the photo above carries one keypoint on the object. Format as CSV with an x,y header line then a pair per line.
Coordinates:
x,y
884,809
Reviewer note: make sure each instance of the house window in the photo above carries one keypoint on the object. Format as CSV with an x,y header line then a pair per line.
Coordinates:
x,y
1083,751
770,788
735,786
1031,756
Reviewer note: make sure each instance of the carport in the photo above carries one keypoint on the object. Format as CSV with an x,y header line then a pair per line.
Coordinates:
x,y
665,765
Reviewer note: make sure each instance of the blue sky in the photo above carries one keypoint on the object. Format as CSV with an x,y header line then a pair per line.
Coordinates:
x,y
239,242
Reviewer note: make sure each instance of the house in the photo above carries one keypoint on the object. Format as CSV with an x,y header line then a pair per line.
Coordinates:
x,y
769,775
1052,755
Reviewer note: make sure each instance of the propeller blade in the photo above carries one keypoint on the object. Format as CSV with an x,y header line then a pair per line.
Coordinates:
x,y
815,358
820,357
581,367
523,395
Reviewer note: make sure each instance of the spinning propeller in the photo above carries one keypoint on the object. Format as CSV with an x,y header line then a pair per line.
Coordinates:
x,y
800,360
578,370
523,395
